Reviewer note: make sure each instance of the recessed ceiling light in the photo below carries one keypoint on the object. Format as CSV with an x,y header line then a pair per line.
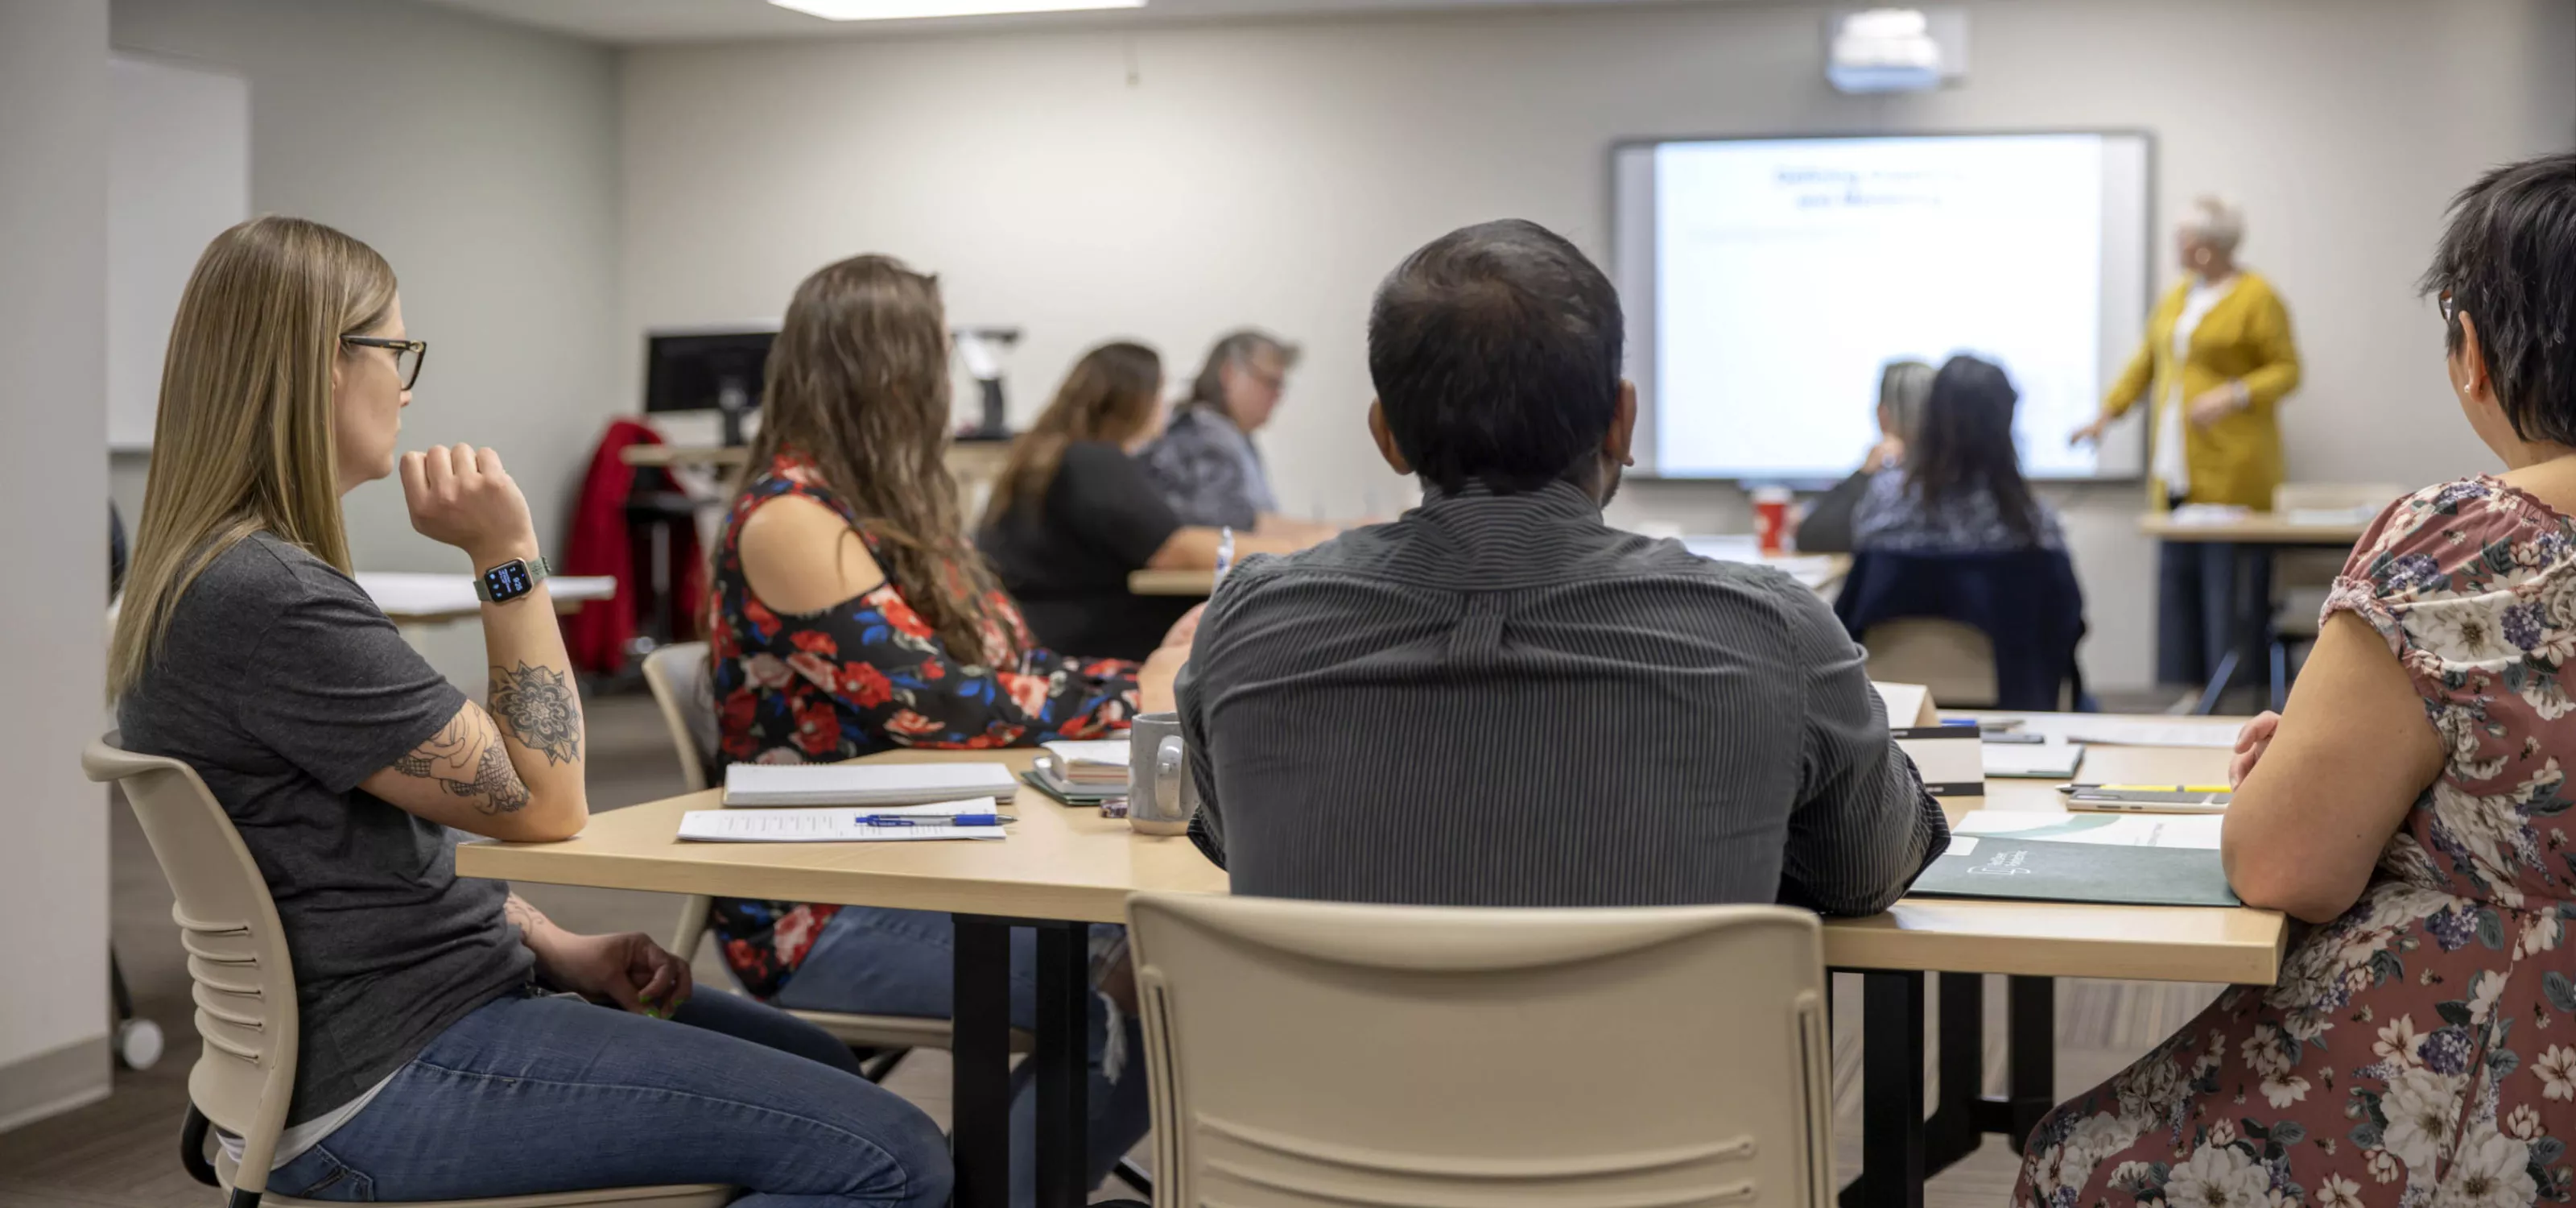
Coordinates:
x,y
897,10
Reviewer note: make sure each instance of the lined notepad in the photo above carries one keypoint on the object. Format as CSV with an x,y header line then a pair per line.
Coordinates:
x,y
768,786
833,824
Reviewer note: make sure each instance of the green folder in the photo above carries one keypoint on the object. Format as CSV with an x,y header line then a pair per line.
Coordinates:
x,y
2042,871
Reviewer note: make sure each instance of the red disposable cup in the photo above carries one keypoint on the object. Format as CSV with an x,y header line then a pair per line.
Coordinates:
x,y
1771,520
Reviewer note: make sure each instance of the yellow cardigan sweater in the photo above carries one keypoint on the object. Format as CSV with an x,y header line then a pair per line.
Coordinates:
x,y
2244,338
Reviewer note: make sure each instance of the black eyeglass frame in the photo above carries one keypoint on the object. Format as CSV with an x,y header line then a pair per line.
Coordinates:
x,y
419,350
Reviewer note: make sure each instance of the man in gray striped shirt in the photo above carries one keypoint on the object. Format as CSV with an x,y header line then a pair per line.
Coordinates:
x,y
1498,699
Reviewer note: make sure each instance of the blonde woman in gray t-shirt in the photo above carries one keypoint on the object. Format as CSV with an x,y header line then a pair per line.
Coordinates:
x,y
447,1050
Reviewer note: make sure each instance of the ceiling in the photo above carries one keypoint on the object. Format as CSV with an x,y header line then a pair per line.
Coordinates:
x,y
643,21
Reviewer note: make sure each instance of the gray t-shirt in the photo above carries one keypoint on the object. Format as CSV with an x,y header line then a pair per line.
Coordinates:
x,y
283,685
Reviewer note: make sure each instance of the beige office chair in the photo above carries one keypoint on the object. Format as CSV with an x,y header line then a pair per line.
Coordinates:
x,y
244,983
678,675
1955,660
1320,1055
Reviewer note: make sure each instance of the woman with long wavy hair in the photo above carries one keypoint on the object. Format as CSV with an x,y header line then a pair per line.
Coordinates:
x,y
431,1047
852,616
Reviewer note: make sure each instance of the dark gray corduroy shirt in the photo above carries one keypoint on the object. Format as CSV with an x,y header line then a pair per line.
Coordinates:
x,y
1500,701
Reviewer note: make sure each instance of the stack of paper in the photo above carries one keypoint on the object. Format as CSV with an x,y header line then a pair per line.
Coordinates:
x,y
874,784
834,825
1097,764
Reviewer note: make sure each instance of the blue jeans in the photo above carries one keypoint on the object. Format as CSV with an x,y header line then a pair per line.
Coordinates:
x,y
875,961
534,1094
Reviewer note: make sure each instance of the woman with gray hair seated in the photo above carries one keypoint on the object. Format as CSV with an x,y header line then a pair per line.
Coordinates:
x,y
2217,360
1902,387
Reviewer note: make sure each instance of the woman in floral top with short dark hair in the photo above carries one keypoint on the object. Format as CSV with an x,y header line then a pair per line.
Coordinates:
x,y
2419,1049
851,617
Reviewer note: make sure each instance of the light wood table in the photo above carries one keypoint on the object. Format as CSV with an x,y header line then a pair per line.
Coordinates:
x,y
1821,572
1071,865
2256,528
413,599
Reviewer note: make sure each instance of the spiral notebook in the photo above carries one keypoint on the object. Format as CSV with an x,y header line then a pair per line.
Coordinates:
x,y
832,824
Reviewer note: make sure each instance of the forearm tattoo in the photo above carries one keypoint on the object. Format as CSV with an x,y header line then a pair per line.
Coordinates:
x,y
467,764
537,706
518,911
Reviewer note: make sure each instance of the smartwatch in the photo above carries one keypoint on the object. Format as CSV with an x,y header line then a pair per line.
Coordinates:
x,y
511,580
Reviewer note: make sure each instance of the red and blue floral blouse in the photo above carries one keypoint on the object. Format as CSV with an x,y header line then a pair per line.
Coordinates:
x,y
868,675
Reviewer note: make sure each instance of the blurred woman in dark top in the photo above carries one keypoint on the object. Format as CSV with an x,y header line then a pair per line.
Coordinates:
x,y
1073,513
1960,490
1902,385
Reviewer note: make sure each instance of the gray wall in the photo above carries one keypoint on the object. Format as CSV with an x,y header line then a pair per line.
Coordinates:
x,y
1168,183
481,159
53,476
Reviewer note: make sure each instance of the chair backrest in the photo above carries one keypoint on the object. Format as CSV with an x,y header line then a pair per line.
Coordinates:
x,y
1320,1055
678,676
244,985
1955,660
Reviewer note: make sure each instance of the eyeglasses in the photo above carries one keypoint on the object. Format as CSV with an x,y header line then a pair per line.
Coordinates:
x,y
408,354
2450,307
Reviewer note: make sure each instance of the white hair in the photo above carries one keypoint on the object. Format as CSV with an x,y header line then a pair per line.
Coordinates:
x,y
2216,221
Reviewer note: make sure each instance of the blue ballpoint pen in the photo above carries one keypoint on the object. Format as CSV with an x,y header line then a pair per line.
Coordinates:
x,y
933,820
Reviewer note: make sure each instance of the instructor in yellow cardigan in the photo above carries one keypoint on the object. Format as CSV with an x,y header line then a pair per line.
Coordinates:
x,y
2217,361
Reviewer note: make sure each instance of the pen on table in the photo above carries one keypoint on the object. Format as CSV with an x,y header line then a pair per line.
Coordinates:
x,y
935,819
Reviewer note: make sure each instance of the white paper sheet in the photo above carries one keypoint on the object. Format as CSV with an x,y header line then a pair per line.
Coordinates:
x,y
2115,730
1105,752
2198,831
833,824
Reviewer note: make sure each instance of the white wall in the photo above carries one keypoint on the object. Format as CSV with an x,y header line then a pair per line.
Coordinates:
x,y
53,481
1169,183
481,159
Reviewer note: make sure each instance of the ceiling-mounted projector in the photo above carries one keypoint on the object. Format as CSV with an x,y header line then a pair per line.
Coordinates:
x,y
1894,50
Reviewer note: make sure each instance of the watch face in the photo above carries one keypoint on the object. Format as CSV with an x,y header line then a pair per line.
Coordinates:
x,y
507,582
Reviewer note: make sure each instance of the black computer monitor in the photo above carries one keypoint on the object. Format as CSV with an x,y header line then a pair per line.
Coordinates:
x,y
706,370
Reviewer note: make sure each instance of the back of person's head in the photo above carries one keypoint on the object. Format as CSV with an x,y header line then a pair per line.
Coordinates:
x,y
1237,349
857,384
1965,444
1113,394
2507,260
245,440
1902,387
1495,352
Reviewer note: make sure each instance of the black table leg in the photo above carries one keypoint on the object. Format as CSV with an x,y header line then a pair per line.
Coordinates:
x,y
1953,1132
979,1136
2031,1015
1892,1157
1064,1075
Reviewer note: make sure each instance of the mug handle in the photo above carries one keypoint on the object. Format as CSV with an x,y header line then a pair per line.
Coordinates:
x,y
1167,775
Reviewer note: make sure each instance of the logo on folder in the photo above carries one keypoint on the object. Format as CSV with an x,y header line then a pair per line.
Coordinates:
x,y
2004,864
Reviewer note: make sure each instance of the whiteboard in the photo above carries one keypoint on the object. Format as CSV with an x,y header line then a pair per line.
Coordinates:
x,y
178,174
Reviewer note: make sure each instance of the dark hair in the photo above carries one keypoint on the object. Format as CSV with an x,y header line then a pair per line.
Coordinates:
x,y
1236,347
1965,445
2508,259
1110,395
1495,351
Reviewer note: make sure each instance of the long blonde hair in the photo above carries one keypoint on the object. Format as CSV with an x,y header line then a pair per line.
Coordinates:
x,y
857,384
1111,395
244,440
